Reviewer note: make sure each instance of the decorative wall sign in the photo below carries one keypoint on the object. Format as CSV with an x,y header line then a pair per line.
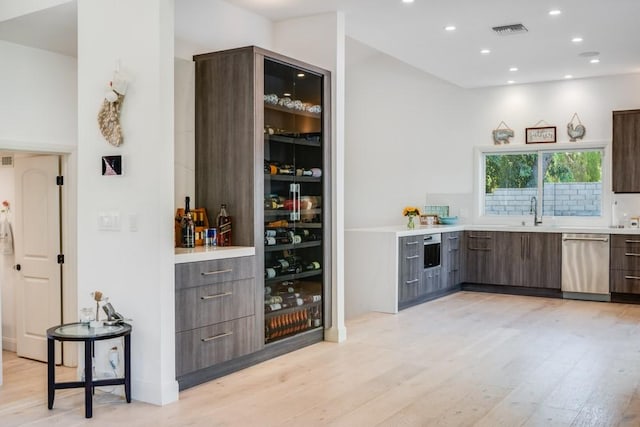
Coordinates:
x,y
502,135
575,132
111,165
537,135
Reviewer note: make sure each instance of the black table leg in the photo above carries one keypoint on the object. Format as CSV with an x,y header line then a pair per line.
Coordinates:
x,y
51,371
127,367
88,381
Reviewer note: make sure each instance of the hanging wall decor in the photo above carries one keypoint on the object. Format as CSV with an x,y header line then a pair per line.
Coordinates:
x,y
575,132
502,135
538,134
109,114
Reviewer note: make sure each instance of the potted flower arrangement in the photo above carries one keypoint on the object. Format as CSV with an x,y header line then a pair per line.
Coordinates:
x,y
411,212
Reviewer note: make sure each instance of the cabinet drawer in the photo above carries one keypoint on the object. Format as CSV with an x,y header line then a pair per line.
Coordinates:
x,y
628,241
216,271
480,240
625,259
206,305
452,240
625,281
208,346
410,246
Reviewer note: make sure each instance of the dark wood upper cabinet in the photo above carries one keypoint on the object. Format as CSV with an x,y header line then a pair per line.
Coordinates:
x,y
626,151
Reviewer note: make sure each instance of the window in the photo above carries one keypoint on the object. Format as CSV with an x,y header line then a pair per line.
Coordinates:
x,y
563,182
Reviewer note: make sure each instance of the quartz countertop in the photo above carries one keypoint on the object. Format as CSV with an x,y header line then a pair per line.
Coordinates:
x,y
403,231
201,253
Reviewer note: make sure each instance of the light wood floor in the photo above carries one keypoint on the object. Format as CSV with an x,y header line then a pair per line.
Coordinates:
x,y
467,359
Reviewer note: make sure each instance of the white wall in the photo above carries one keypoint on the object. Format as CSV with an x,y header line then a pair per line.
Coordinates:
x,y
134,268
13,9
7,273
410,135
39,97
407,134
184,161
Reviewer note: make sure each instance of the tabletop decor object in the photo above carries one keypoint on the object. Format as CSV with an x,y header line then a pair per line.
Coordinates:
x,y
411,212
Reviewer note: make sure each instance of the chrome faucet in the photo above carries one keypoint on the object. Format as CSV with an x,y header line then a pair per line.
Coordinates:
x,y
534,210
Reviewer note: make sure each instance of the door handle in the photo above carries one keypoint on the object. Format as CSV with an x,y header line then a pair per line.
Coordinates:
x,y
17,267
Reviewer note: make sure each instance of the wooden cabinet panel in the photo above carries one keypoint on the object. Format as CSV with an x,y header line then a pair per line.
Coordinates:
x,y
509,259
625,259
631,242
625,281
216,271
626,151
543,261
206,305
411,253
203,347
451,263
479,256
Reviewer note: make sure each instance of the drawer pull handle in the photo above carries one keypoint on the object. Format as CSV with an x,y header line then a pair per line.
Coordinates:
x,y
217,337
585,239
632,241
453,238
210,273
226,294
474,236
479,249
631,254
409,282
411,243
413,257
632,277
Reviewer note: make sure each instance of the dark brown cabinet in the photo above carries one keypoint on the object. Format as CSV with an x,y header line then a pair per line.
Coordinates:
x,y
262,147
480,257
626,151
215,315
451,259
410,270
625,264
514,259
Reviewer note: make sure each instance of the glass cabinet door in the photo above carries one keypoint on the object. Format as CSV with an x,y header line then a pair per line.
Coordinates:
x,y
293,187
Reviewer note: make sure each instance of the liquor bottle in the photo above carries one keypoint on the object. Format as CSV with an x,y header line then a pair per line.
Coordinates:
x,y
313,265
187,227
223,221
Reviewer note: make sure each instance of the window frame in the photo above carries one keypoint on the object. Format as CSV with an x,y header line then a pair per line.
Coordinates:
x,y
480,154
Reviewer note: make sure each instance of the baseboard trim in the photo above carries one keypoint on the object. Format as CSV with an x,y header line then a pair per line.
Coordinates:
x,y
9,344
513,290
625,298
429,297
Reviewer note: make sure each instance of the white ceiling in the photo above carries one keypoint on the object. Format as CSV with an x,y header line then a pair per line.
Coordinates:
x,y
414,33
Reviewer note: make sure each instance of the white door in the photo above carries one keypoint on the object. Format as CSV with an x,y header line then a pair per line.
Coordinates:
x,y
37,245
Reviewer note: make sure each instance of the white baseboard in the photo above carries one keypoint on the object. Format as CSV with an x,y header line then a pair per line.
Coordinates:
x,y
335,334
9,344
156,394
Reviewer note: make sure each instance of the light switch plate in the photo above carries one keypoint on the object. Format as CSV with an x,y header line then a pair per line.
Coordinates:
x,y
109,221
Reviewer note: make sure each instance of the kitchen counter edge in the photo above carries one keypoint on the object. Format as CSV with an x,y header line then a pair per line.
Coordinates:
x,y
403,231
200,253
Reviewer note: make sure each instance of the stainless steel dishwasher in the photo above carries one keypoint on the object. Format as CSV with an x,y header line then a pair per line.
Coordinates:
x,y
585,266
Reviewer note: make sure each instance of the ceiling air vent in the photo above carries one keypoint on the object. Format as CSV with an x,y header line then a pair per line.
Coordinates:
x,y
6,161
507,30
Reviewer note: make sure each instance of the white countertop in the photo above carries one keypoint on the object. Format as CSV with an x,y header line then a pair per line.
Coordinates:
x,y
201,253
402,230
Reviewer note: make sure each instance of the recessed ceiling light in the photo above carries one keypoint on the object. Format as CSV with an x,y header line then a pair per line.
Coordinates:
x,y
300,74
513,69
594,61
511,82
568,76
577,39
450,28
407,1
485,51
555,12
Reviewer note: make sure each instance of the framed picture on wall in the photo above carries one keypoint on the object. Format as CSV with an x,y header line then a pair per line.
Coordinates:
x,y
541,134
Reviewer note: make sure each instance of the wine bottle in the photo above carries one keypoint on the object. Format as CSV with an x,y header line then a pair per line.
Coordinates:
x,y
313,265
223,221
187,227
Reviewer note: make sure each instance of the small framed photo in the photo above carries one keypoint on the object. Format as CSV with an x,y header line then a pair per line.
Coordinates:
x,y
541,134
111,165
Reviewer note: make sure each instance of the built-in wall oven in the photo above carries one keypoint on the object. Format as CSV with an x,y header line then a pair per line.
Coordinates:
x,y
432,250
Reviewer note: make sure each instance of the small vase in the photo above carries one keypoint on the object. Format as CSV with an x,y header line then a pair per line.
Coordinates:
x,y
411,224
